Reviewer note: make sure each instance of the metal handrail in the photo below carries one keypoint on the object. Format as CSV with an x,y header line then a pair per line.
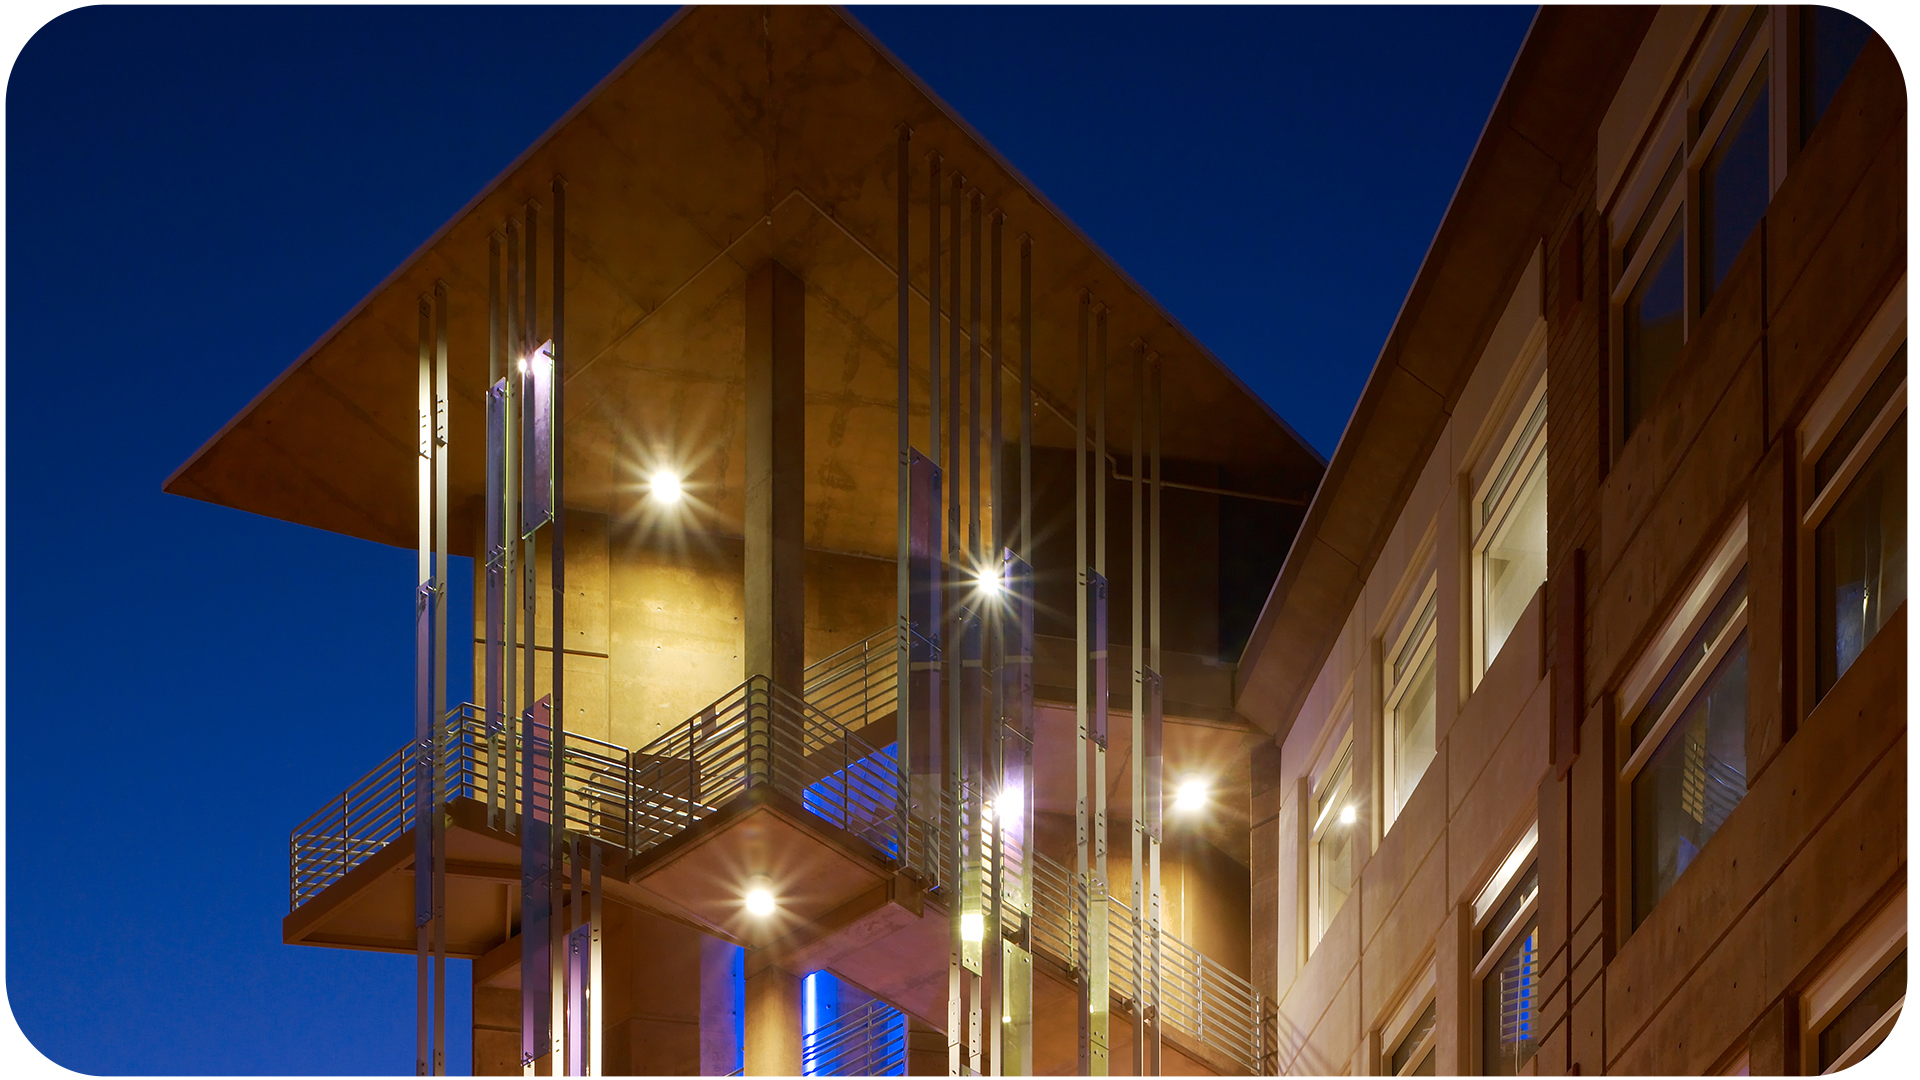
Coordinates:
x,y
870,1040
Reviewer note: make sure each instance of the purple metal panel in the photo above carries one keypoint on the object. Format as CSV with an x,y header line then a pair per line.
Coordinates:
x,y
925,618
496,555
579,985
536,418
535,873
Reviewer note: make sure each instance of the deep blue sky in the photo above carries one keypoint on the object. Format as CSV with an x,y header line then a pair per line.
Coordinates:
x,y
195,195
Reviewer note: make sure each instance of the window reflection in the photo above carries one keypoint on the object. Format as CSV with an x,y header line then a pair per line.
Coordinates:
x,y
1860,560
1733,186
1692,782
1830,41
1653,326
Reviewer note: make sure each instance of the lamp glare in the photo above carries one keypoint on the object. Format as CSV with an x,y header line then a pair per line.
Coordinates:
x,y
760,900
665,486
1191,796
1348,814
972,926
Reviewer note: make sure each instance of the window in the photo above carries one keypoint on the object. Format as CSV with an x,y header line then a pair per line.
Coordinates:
x,y
1331,858
1507,947
1411,702
1857,513
1850,1007
1510,544
1701,190
1412,1053
1830,41
1686,734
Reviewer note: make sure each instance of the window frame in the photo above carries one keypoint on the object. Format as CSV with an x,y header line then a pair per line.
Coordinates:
x,y
1418,636
1339,764
1879,941
1423,993
1869,355
1724,566
1678,130
1484,524
1498,887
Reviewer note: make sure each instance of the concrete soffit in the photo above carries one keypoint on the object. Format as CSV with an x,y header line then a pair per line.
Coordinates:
x,y
1527,164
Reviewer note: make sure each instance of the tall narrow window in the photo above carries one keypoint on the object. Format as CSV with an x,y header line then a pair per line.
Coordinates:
x,y
1653,325
1511,542
1734,185
1411,702
1507,948
1332,846
1859,522
1688,763
1413,1054
1713,149
1849,1007
1830,41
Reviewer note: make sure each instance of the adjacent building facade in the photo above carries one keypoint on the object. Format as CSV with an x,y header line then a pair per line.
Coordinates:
x,y
1588,666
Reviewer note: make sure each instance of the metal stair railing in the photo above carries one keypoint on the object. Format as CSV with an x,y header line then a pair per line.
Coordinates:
x,y
858,685
870,1040
377,809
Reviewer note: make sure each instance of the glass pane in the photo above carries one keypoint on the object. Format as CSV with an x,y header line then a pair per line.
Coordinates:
x,y
1830,41
1425,1068
1725,79
1410,651
1413,721
1507,1001
1507,468
1692,657
1861,419
1524,888
1653,326
1684,793
1336,871
1860,560
1335,785
1516,559
1733,186
1867,1007
1404,1052
1667,180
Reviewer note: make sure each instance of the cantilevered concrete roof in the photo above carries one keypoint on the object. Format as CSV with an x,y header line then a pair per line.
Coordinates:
x,y
1517,184
732,135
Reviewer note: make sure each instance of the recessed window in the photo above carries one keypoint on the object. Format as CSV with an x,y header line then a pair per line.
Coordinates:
x,y
1859,521
1413,1055
1411,704
1510,545
1830,41
1688,764
1696,199
1733,185
1331,855
1507,950
1851,1004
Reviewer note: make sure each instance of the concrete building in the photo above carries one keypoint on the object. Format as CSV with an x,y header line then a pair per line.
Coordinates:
x,y
737,475
903,559
1587,670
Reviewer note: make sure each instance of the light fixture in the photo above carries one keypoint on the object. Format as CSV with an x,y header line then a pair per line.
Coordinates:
x,y
1191,795
665,486
972,926
1348,814
989,582
760,897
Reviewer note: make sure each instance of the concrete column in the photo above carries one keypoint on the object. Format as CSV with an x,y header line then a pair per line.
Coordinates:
x,y
773,1021
722,1024
776,474
926,1048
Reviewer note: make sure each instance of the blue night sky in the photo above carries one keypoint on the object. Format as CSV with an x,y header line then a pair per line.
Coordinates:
x,y
194,196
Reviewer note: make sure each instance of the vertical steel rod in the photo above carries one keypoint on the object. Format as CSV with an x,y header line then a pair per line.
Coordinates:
x,y
495,537
1137,751
1097,904
993,954
441,451
423,714
511,520
1155,763
902,581
1082,826
558,572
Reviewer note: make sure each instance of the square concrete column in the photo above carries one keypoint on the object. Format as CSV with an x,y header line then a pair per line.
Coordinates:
x,y
773,1021
776,475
